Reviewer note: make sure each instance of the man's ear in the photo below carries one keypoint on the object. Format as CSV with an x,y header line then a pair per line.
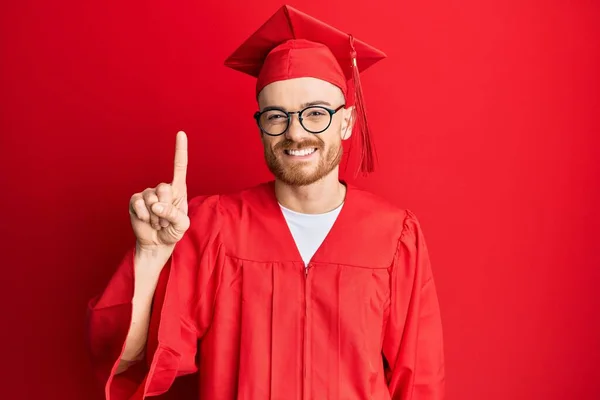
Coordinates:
x,y
348,119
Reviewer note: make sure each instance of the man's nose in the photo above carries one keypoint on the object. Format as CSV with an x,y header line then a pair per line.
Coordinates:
x,y
295,130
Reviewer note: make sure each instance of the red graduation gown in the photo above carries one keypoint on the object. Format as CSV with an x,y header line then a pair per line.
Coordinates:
x,y
235,305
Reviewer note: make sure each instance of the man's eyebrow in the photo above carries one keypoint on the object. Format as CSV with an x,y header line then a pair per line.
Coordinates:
x,y
316,103
309,104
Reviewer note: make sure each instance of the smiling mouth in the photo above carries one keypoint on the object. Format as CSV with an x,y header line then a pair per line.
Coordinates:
x,y
300,153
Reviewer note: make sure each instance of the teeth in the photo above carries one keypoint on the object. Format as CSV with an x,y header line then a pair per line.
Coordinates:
x,y
303,152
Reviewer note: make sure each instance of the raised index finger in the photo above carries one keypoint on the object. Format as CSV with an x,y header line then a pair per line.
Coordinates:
x,y
181,160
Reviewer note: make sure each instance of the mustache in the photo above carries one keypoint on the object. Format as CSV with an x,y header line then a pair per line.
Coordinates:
x,y
288,144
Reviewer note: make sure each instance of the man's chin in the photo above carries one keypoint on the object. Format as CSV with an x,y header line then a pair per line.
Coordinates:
x,y
296,176
298,180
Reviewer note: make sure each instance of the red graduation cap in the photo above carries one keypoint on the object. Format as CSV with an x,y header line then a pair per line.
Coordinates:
x,y
292,44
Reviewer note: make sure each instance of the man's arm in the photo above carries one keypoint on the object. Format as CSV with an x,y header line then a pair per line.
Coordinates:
x,y
150,309
413,344
147,267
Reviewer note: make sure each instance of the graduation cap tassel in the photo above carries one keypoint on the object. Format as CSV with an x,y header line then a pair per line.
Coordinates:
x,y
367,158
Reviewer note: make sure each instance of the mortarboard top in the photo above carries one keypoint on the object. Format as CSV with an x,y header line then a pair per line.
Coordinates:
x,y
292,44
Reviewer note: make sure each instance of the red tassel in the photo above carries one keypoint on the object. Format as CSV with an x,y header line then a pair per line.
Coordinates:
x,y
368,154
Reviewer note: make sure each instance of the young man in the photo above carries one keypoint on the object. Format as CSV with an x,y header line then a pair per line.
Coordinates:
x,y
300,288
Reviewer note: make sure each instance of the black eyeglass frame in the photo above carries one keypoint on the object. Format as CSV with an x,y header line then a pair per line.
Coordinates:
x,y
289,114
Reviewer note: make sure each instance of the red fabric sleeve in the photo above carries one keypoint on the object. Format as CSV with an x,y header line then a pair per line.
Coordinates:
x,y
413,342
181,311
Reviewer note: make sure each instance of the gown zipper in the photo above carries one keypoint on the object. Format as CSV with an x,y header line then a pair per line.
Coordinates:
x,y
306,358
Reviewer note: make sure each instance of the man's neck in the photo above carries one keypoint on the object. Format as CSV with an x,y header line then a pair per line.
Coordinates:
x,y
320,197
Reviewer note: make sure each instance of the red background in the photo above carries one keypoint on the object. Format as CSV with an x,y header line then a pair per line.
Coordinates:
x,y
486,114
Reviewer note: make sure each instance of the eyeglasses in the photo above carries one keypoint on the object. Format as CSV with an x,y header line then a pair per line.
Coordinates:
x,y
314,119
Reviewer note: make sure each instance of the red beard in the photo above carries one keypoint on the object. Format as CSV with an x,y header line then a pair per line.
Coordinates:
x,y
300,173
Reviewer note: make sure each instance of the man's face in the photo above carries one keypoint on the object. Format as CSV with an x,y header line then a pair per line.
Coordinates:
x,y
298,157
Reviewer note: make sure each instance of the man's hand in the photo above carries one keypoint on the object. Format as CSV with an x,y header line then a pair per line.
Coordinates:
x,y
159,215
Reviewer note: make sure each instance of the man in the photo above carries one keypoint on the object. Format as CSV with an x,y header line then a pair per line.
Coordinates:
x,y
301,288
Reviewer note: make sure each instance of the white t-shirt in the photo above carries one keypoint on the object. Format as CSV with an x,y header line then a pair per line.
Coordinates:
x,y
309,230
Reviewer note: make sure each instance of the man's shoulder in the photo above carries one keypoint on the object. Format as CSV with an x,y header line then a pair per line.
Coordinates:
x,y
234,199
377,206
258,193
